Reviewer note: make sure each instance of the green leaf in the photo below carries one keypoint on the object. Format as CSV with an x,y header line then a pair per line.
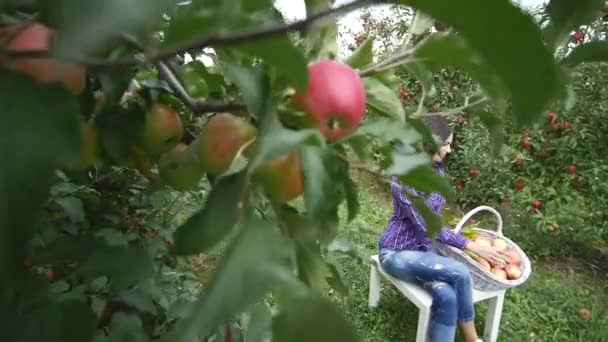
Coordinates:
x,y
450,49
139,300
567,16
309,317
126,327
193,79
524,65
427,179
44,121
258,328
388,78
195,74
424,75
280,53
402,164
84,27
595,51
432,222
351,190
495,125
73,208
383,99
251,266
68,248
79,322
119,130
319,188
253,85
388,130
215,221
114,84
255,5
363,56
335,280
279,141
310,265
321,43
44,322
124,266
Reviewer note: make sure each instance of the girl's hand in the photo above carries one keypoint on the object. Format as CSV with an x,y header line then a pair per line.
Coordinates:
x,y
492,254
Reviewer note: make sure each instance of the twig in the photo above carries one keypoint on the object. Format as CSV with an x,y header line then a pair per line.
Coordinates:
x,y
169,74
217,39
387,63
455,110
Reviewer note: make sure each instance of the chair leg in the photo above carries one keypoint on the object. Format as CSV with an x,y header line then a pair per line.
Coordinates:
x,y
422,332
374,286
493,318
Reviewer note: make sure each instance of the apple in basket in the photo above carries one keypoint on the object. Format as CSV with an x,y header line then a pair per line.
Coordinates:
x,y
483,242
500,273
500,244
514,257
484,263
513,272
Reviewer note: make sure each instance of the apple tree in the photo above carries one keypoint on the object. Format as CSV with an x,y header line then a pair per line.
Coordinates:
x,y
137,135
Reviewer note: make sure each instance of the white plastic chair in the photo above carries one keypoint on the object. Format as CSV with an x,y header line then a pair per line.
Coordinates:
x,y
423,300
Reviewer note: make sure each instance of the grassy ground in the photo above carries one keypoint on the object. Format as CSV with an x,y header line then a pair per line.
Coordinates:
x,y
545,308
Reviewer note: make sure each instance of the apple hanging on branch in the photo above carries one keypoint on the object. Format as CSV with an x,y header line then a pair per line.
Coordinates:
x,y
335,98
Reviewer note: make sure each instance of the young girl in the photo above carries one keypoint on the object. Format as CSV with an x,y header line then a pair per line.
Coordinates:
x,y
407,253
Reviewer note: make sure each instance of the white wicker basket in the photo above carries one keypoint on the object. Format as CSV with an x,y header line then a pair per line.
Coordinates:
x,y
482,279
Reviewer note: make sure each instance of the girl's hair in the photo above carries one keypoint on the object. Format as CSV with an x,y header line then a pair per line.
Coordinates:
x,y
438,126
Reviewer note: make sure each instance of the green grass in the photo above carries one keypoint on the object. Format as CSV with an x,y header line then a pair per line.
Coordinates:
x,y
545,308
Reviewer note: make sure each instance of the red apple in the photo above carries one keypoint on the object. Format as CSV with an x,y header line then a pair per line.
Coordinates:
x,y
335,98
566,125
536,204
550,116
519,185
571,169
526,144
460,120
513,272
499,273
484,263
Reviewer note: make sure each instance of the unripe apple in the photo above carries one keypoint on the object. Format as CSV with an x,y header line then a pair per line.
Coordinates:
x,y
162,130
180,168
282,177
335,98
221,139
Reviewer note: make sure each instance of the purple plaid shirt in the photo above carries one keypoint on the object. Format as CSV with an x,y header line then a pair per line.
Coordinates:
x,y
406,228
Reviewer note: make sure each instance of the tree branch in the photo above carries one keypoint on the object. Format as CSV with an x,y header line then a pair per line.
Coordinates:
x,y
169,74
388,63
457,109
216,39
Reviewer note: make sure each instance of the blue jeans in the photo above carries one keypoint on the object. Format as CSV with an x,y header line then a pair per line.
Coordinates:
x,y
448,281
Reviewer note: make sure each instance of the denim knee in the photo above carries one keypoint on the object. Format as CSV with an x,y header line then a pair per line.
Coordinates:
x,y
463,273
445,304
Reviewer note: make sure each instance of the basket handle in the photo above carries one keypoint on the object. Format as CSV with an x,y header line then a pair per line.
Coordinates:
x,y
470,214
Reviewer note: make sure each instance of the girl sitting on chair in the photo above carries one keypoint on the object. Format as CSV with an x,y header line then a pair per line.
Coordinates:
x,y
407,253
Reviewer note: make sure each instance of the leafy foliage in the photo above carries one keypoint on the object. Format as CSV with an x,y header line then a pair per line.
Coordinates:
x,y
95,242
